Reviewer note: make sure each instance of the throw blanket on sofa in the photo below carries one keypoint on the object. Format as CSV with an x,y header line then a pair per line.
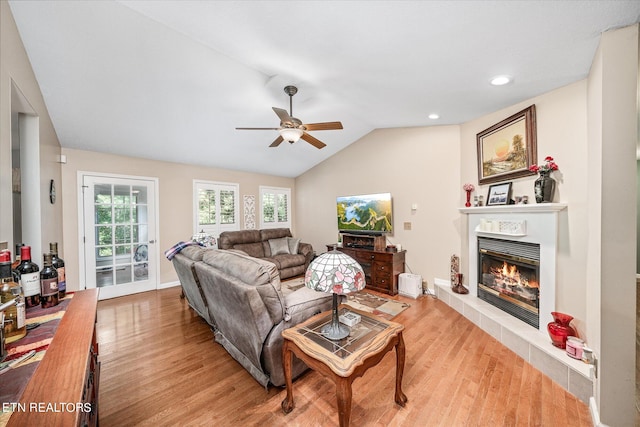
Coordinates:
x,y
173,250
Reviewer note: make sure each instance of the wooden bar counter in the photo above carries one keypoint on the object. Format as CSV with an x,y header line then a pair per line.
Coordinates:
x,y
63,390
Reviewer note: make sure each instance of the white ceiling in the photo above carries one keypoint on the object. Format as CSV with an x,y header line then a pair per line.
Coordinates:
x,y
170,80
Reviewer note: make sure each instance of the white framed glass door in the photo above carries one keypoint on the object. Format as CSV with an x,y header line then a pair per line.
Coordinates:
x,y
120,251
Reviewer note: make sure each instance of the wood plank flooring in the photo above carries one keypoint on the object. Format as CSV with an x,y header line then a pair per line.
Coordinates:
x,y
161,367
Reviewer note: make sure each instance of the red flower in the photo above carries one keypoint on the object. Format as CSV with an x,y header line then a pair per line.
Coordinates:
x,y
548,166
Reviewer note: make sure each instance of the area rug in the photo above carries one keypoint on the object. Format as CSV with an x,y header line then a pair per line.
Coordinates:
x,y
363,300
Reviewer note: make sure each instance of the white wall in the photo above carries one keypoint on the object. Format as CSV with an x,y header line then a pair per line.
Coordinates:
x,y
416,165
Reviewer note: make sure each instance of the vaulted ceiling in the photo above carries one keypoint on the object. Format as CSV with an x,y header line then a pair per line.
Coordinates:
x,y
171,80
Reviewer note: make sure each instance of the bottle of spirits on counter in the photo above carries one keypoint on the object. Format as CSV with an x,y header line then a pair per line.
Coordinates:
x,y
58,264
15,317
18,254
29,274
48,284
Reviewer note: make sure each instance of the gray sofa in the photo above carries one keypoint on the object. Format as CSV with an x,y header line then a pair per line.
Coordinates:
x,y
276,245
243,300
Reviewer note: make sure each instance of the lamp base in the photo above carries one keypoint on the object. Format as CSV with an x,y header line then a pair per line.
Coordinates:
x,y
335,330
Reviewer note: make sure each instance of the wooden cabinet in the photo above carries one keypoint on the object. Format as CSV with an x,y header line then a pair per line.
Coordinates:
x,y
63,390
381,268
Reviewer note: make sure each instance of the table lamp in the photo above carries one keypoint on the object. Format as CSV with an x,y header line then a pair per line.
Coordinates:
x,y
339,274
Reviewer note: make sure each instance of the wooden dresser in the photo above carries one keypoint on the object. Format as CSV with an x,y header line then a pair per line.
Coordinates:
x,y
381,268
63,390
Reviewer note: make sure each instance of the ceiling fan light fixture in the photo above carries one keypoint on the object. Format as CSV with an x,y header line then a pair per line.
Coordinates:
x,y
291,134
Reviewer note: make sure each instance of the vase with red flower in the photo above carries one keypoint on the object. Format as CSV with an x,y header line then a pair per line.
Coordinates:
x,y
468,188
560,329
545,186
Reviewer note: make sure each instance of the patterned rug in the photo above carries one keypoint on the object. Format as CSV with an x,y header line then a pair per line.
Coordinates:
x,y
363,300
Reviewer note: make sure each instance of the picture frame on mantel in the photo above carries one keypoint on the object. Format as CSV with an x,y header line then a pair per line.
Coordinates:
x,y
499,194
507,149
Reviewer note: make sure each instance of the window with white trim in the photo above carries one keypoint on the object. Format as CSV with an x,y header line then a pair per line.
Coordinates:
x,y
275,207
216,207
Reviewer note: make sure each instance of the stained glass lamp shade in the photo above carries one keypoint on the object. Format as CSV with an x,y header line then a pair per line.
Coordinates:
x,y
339,274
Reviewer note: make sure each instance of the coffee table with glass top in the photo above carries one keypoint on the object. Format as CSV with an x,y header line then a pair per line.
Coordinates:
x,y
345,360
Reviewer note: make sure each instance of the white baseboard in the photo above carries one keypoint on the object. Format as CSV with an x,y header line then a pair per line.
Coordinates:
x,y
168,284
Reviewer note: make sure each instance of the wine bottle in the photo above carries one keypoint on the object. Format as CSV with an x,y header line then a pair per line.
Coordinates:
x,y
48,284
29,274
58,264
15,326
18,255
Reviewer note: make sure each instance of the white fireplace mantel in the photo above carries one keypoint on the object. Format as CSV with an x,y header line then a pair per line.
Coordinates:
x,y
540,207
541,227
533,345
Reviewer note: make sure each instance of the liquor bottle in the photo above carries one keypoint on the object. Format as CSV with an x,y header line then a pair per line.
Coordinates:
x,y
15,326
48,284
58,264
29,274
18,255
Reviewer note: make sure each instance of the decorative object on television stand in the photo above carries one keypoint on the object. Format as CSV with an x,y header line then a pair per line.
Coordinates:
x,y
545,186
469,189
337,273
559,330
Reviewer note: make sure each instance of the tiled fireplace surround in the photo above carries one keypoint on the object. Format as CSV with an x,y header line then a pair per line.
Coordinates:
x,y
533,345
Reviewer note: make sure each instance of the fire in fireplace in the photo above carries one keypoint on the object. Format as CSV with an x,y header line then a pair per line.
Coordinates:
x,y
508,273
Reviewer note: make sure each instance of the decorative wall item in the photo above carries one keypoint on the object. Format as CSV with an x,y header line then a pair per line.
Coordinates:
x,y
507,149
249,212
499,194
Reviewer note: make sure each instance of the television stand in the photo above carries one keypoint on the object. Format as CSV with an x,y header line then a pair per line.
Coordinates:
x,y
364,241
381,268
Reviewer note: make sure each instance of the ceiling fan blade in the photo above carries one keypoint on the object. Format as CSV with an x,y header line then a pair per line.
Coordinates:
x,y
257,128
323,126
313,141
284,116
277,141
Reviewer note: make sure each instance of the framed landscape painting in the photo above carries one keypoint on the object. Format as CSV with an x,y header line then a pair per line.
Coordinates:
x,y
507,149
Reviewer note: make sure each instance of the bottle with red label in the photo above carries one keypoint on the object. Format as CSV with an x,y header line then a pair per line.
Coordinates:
x,y
58,264
15,317
29,274
48,284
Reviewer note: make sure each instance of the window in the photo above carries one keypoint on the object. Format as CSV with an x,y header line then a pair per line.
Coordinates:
x,y
216,207
275,207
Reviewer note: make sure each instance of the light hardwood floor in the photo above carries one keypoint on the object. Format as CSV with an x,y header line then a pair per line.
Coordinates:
x,y
160,366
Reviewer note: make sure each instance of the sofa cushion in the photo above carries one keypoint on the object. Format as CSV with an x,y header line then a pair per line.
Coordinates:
x,y
274,233
256,272
194,252
252,249
288,260
229,239
294,244
279,246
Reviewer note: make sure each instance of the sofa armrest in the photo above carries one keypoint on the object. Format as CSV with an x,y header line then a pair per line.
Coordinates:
x,y
307,250
304,303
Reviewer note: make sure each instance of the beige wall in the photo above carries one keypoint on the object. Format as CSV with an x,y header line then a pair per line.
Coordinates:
x,y
15,67
562,134
416,165
175,192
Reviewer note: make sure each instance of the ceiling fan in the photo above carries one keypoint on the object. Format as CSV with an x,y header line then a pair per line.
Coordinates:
x,y
292,129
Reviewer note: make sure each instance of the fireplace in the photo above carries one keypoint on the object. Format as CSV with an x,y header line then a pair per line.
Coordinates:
x,y
509,277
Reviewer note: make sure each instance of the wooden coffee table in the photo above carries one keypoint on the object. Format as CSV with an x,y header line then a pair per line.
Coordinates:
x,y
345,360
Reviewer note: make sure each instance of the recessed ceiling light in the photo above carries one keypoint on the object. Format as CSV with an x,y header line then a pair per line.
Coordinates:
x,y
500,80
434,116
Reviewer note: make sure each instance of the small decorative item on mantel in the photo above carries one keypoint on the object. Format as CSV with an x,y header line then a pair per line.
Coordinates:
x,y
545,186
559,330
469,189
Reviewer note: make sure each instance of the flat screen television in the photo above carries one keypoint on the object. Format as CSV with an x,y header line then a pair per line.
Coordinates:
x,y
367,213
